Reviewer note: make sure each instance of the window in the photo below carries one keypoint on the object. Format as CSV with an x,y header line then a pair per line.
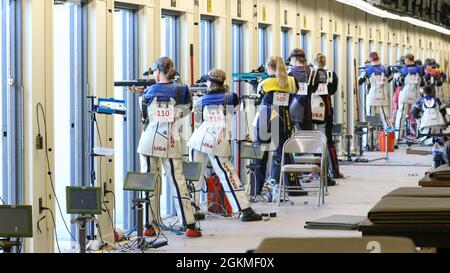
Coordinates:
x,y
437,56
349,79
237,51
323,44
381,52
390,54
170,38
170,42
11,162
398,52
262,44
69,93
337,69
306,43
126,127
417,53
206,46
371,46
362,89
361,59
389,62
285,50
237,66
2,101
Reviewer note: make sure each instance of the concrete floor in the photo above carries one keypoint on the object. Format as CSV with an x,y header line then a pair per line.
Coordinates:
x,y
363,186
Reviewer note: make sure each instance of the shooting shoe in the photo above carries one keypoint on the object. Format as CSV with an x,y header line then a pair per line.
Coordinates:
x,y
249,215
149,231
331,182
193,233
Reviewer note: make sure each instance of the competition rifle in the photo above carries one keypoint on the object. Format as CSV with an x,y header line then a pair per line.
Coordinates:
x,y
143,82
139,83
253,78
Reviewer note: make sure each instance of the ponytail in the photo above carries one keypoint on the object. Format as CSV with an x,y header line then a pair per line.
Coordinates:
x,y
277,64
171,73
166,66
282,75
320,60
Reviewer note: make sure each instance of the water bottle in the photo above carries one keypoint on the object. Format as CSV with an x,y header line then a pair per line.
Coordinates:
x,y
275,193
437,152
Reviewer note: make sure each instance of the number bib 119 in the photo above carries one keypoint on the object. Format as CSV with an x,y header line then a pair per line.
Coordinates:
x,y
164,114
281,99
215,118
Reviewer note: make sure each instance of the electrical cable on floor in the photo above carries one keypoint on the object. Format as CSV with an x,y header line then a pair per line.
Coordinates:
x,y
141,244
3,201
159,222
166,228
40,107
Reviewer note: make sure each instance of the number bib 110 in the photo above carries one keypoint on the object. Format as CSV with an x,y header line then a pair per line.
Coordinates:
x,y
281,99
164,114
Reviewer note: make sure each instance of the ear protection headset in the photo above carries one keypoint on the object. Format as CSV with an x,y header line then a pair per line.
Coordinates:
x,y
158,66
208,77
155,66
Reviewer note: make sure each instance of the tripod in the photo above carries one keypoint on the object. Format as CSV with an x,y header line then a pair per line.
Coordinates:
x,y
147,220
138,206
360,132
348,141
82,221
386,136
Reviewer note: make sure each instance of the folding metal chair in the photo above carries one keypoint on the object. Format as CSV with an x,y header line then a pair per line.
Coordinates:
x,y
308,145
314,159
314,134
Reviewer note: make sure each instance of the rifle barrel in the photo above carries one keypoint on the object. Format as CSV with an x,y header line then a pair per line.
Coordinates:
x,y
142,83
